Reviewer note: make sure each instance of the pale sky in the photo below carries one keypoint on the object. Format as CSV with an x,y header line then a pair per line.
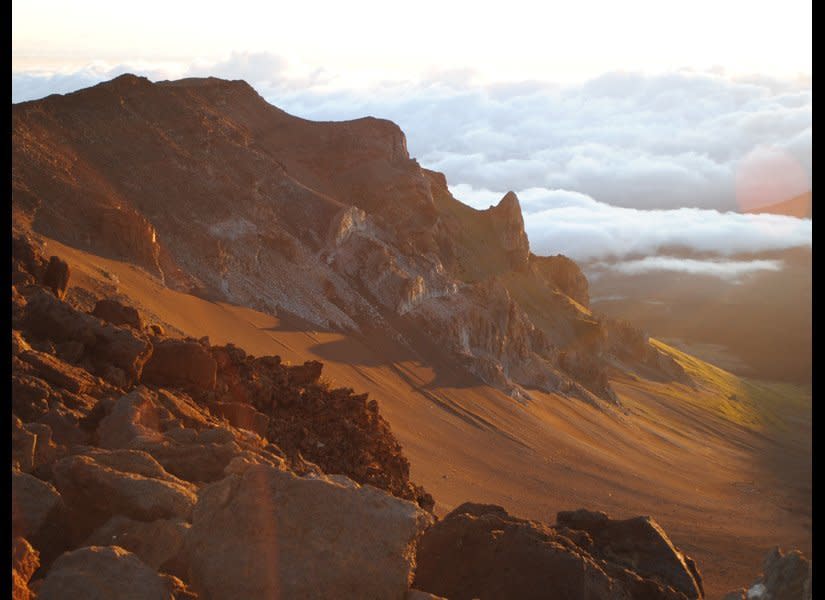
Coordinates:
x,y
368,40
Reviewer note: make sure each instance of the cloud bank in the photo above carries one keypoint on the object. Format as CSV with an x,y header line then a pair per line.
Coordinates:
x,y
574,224
729,270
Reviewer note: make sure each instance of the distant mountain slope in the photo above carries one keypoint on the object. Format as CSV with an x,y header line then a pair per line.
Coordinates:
x,y
799,206
207,186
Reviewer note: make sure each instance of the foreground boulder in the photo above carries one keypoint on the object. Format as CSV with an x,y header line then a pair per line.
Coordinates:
x,y
639,544
255,534
106,573
480,551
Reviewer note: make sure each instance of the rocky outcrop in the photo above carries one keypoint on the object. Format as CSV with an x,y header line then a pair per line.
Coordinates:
x,y
639,544
481,551
102,346
631,344
56,276
29,266
509,224
273,524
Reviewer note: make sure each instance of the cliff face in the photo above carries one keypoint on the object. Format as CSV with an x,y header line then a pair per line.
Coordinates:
x,y
213,190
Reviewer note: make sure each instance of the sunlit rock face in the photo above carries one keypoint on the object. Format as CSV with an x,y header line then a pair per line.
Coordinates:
x,y
203,184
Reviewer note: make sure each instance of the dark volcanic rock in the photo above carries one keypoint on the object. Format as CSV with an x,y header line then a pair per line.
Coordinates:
x,y
509,224
159,543
787,576
480,551
117,313
47,318
180,363
56,277
639,544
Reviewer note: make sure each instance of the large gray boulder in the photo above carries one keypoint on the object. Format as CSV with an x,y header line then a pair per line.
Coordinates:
x,y
267,533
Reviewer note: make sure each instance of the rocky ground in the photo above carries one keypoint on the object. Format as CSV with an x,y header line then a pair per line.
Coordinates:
x,y
147,466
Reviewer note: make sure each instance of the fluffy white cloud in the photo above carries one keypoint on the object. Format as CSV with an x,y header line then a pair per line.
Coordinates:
x,y
572,223
729,270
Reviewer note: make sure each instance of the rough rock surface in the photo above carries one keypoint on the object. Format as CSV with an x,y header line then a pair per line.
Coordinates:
x,y
274,524
115,312
47,318
38,514
24,562
125,482
564,274
480,551
181,363
104,573
639,544
159,543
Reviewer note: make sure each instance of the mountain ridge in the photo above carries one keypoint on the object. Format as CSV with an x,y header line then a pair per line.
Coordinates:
x,y
216,191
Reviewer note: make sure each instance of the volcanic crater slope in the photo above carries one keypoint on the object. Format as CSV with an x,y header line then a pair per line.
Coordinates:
x,y
207,186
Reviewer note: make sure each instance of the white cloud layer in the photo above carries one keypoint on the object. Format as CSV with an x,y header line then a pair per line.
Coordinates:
x,y
729,270
571,223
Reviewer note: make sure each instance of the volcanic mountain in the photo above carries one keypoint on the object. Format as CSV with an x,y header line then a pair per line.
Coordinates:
x,y
216,214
